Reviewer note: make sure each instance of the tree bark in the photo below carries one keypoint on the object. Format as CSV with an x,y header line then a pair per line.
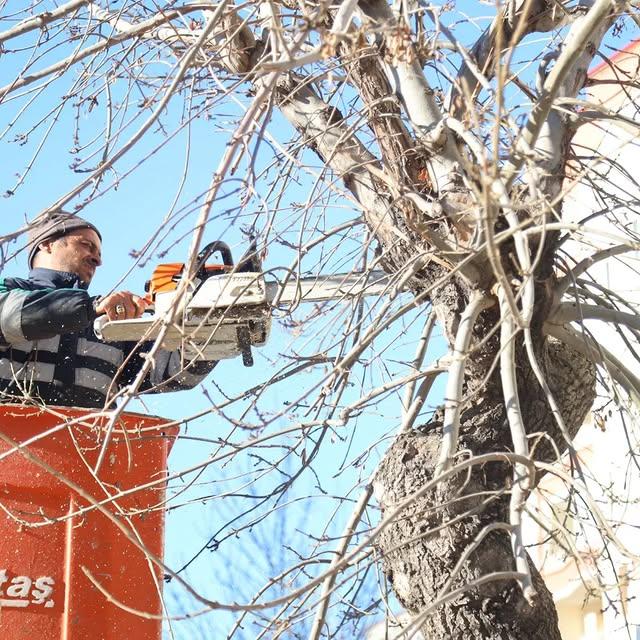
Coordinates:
x,y
425,542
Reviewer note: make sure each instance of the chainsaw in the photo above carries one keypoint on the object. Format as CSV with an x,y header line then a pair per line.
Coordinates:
x,y
228,307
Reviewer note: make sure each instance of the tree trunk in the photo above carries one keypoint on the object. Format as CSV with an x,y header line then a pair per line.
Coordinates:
x,y
425,542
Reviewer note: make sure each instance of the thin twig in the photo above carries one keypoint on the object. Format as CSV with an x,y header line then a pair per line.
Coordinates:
x,y
349,531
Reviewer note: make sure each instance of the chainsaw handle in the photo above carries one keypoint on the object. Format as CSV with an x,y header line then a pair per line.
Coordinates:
x,y
207,251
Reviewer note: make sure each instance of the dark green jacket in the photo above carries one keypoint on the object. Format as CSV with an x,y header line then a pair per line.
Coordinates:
x,y
50,354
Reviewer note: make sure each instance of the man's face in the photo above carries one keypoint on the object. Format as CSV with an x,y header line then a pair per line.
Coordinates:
x,y
79,252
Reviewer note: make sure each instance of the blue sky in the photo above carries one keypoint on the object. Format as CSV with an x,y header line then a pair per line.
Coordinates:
x,y
129,214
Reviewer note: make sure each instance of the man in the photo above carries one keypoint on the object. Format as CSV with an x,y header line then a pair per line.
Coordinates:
x,y
49,353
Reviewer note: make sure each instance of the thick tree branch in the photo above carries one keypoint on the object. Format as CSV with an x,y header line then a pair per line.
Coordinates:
x,y
453,393
42,19
567,281
410,84
600,356
544,133
572,312
522,481
516,21
139,29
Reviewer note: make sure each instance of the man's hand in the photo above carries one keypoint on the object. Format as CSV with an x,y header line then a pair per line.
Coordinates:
x,y
121,305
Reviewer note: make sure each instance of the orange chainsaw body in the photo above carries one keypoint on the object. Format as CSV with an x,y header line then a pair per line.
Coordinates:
x,y
165,277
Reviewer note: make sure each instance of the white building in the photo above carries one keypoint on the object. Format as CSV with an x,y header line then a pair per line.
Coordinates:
x,y
596,580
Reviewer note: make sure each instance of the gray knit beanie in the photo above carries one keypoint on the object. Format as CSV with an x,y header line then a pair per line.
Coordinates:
x,y
55,226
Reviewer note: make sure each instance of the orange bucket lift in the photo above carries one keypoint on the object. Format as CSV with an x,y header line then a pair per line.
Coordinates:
x,y
75,545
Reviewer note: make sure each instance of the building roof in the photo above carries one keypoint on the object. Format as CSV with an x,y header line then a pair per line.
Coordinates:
x,y
632,48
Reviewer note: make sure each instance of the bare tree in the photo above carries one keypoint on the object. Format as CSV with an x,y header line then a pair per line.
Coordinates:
x,y
359,135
